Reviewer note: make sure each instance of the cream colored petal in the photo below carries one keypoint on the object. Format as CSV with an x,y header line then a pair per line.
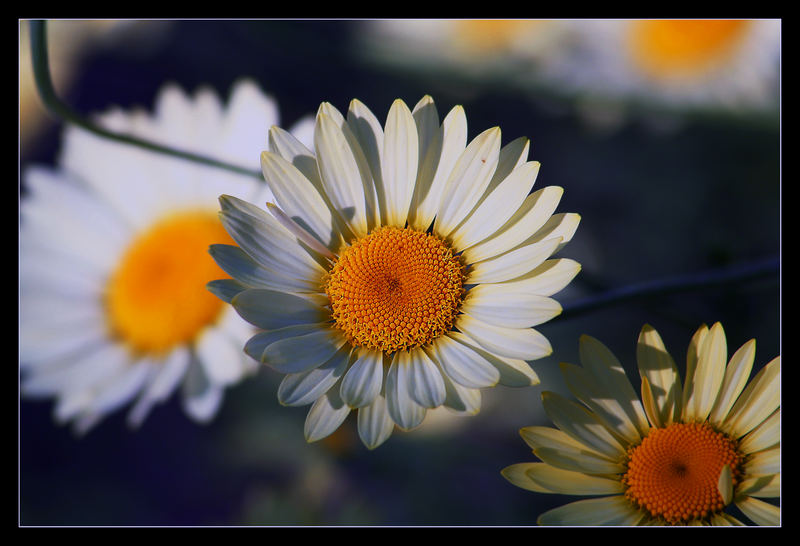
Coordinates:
x,y
725,485
161,386
725,520
517,475
566,482
615,510
535,210
462,364
760,398
497,304
519,343
513,264
657,366
248,274
649,404
363,381
601,402
340,174
300,389
692,356
582,425
760,512
299,199
562,225
459,399
200,397
405,412
325,416
768,486
426,118
736,375
442,153
375,425
221,358
496,209
513,372
270,309
368,131
305,237
708,375
469,179
764,462
287,146
257,344
607,372
547,279
399,162
764,436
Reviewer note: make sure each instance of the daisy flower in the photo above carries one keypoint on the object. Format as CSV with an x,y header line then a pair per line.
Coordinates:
x,y
114,260
710,62
401,270
682,455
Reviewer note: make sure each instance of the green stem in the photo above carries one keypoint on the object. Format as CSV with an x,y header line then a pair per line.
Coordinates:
x,y
44,84
682,283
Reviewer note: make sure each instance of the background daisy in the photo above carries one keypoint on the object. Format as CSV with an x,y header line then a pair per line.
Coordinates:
x,y
652,204
685,454
106,312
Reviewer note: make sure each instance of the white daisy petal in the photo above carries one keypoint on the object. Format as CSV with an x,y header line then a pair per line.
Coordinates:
x,y
442,153
93,368
162,384
762,513
567,482
220,358
363,380
300,389
497,304
375,425
561,450
513,263
547,279
425,384
459,399
497,208
340,174
236,263
226,289
303,353
426,119
736,376
768,486
615,510
519,343
399,162
201,397
758,400
532,214
517,475
401,407
469,179
119,390
294,151
270,309
325,416
513,372
257,344
692,357
764,462
462,364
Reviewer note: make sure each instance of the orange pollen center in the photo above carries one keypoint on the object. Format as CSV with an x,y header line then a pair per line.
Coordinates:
x,y
156,298
674,472
395,289
673,47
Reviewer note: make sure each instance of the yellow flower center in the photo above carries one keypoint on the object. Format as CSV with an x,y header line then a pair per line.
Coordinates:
x,y
395,289
674,472
156,297
684,47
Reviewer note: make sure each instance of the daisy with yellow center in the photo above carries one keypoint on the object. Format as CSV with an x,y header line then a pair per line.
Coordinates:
x,y
114,261
716,63
682,455
402,270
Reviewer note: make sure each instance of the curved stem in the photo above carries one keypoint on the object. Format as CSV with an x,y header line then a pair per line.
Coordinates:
x,y
44,84
766,268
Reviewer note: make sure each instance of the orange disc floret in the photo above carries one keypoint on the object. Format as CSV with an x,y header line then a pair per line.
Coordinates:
x,y
674,472
395,289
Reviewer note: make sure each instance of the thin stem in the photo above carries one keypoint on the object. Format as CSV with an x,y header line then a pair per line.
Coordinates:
x,y
44,84
682,283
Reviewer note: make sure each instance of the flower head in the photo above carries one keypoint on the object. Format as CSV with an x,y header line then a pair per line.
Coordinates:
x,y
114,261
402,269
681,455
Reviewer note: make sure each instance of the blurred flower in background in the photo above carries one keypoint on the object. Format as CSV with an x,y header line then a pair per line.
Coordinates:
x,y
681,455
114,260
421,270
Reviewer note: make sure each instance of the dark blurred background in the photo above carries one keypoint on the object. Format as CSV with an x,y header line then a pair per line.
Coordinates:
x,y
677,192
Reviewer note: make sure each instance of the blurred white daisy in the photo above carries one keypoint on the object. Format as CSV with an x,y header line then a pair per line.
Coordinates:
x,y
683,455
710,62
114,260
471,45
402,270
